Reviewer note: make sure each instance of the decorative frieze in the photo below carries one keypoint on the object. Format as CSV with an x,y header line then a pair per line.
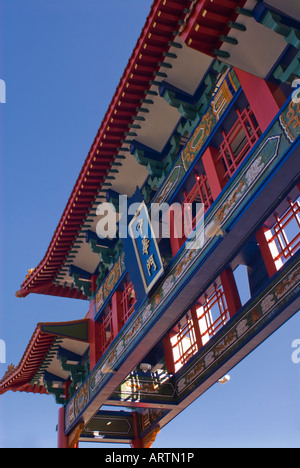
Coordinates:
x,y
246,324
264,157
110,282
223,97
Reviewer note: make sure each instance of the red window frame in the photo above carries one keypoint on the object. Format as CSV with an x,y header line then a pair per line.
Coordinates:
x,y
208,324
105,334
184,343
128,302
207,316
282,248
200,193
232,157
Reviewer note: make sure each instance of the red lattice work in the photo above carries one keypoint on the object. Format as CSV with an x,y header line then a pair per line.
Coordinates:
x,y
200,193
105,334
201,323
239,141
213,314
128,302
184,343
284,236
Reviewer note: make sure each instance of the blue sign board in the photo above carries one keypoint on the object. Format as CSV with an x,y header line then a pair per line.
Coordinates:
x,y
146,248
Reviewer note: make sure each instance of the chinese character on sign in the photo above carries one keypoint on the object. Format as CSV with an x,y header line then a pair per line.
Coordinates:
x,y
151,263
146,245
140,226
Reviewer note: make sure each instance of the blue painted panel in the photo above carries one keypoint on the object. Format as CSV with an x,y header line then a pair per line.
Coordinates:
x,y
131,264
146,248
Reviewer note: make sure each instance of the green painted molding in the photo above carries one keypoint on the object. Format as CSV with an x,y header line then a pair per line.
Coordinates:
x,y
273,20
84,286
78,374
200,133
57,392
273,146
73,330
107,286
194,111
287,74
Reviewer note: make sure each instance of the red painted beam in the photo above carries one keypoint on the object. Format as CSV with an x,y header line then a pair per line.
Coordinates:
x,y
207,22
265,99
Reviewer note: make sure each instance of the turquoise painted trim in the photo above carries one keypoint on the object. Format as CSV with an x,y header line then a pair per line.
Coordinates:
x,y
214,115
282,137
282,290
206,145
105,291
99,312
203,131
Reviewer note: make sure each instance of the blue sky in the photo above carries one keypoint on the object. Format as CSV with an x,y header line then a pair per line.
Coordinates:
x,y
62,61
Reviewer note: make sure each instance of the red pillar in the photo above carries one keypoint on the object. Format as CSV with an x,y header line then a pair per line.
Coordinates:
x,y
62,439
94,283
265,251
177,238
196,325
265,99
66,388
137,442
168,350
94,329
117,309
230,291
214,170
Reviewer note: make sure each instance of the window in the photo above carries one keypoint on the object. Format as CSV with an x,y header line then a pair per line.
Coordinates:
x,y
284,236
196,328
205,318
200,193
238,142
213,313
184,344
105,334
128,302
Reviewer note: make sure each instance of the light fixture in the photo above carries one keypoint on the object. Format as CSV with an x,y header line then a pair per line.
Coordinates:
x,y
224,379
145,367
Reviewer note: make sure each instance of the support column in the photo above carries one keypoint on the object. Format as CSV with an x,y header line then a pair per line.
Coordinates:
x,y
230,291
137,442
94,330
265,251
177,238
198,336
94,284
214,170
170,366
66,388
265,99
116,305
62,439
95,327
